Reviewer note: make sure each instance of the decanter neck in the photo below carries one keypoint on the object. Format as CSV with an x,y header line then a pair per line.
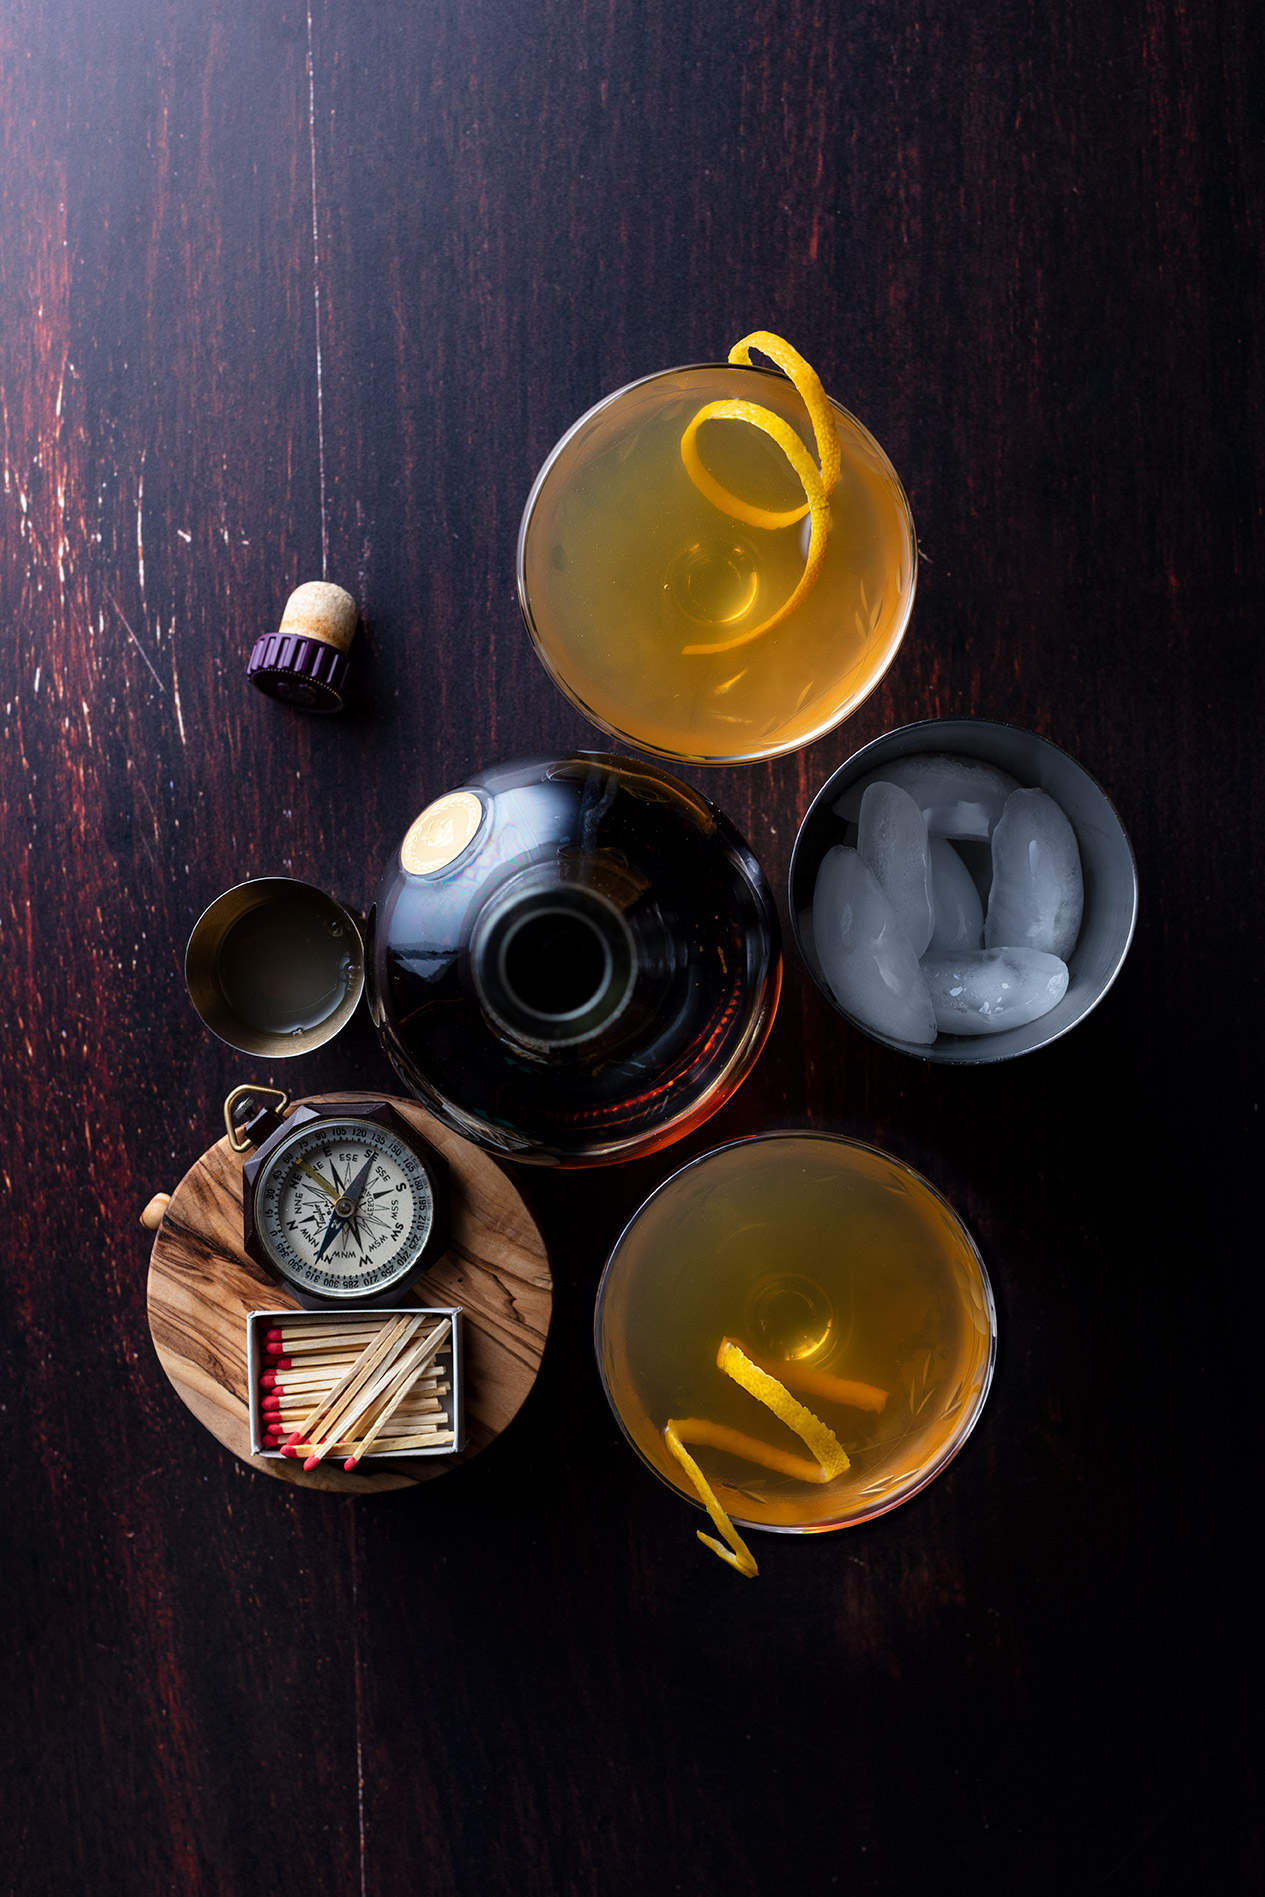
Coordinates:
x,y
555,962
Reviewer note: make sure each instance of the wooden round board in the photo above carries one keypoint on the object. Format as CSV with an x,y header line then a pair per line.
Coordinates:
x,y
202,1287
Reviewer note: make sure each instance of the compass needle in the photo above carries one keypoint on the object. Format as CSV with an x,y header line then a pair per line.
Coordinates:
x,y
313,1174
331,1233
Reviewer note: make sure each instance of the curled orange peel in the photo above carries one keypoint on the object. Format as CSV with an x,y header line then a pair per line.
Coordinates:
x,y
817,482
708,1435
830,1457
857,1396
808,383
737,1554
822,1441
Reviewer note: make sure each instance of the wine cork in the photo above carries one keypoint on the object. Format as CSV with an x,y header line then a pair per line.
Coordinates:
x,y
318,610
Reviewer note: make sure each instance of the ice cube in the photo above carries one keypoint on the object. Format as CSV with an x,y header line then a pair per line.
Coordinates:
x,y
892,840
958,796
1038,892
869,966
959,913
982,991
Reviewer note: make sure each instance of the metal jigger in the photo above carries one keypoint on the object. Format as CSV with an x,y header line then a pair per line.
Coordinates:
x,y
275,967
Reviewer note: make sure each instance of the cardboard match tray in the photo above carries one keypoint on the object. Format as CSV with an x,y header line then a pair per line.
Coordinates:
x,y
259,1323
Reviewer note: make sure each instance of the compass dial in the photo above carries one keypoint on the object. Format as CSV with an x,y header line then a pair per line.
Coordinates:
x,y
344,1208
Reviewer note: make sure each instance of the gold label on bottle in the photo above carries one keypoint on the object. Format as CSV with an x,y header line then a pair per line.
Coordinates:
x,y
441,832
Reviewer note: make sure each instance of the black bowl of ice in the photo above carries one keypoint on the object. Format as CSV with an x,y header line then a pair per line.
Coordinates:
x,y
963,891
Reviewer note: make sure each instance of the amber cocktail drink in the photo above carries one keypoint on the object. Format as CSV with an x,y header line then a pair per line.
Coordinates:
x,y
840,1271
639,591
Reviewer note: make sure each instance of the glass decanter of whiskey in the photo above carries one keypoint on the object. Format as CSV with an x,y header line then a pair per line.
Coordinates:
x,y
573,961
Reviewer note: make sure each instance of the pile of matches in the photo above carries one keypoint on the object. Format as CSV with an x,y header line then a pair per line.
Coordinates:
x,y
365,1387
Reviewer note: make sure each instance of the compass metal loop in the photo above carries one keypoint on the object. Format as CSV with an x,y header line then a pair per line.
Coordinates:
x,y
242,1138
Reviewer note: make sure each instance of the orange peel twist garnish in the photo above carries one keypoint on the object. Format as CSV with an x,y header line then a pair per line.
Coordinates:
x,y
798,1376
821,1440
704,1434
737,1554
830,1457
817,481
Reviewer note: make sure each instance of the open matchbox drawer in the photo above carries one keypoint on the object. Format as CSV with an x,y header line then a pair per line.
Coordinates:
x,y
259,1323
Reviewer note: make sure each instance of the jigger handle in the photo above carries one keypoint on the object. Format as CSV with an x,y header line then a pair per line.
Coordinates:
x,y
152,1216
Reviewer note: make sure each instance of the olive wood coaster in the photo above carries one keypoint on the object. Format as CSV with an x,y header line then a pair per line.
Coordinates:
x,y
202,1287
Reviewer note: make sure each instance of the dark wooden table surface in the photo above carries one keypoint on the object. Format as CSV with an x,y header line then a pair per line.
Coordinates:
x,y
286,294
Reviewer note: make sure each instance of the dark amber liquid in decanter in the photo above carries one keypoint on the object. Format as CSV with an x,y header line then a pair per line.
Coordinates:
x,y
579,962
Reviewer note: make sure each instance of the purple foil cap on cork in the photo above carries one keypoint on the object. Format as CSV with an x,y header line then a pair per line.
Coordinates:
x,y
305,662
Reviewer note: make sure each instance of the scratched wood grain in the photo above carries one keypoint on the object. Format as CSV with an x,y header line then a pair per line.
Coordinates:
x,y
288,292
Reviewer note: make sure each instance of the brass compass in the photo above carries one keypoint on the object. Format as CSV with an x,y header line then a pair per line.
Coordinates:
x,y
345,1202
